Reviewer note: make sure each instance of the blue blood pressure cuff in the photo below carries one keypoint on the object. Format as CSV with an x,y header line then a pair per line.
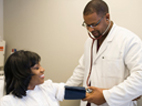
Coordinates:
x,y
72,92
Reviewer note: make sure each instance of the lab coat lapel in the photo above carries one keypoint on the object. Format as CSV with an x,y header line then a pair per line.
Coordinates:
x,y
105,43
102,48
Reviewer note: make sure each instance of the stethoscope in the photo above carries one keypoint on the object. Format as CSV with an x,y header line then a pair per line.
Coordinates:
x,y
91,58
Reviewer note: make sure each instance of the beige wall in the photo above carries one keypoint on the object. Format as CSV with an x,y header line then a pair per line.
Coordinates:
x,y
1,20
52,28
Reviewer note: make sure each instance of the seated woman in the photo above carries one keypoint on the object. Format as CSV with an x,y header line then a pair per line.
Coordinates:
x,y
25,85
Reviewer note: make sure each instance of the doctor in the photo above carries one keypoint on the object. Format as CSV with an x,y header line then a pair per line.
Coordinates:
x,y
111,65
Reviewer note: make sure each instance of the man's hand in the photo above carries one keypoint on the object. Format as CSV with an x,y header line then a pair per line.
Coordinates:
x,y
96,96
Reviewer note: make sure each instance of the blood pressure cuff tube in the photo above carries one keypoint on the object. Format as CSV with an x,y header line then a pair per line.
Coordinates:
x,y
72,92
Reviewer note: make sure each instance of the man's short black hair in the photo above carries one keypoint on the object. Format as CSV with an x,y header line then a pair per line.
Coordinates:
x,y
98,6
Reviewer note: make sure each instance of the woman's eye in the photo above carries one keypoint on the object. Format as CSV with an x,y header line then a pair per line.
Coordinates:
x,y
36,68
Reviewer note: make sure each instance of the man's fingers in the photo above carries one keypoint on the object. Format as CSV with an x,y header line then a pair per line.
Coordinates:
x,y
86,98
91,87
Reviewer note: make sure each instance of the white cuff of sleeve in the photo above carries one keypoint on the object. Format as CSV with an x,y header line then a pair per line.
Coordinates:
x,y
106,94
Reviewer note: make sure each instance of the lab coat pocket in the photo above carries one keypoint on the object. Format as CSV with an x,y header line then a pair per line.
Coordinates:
x,y
113,68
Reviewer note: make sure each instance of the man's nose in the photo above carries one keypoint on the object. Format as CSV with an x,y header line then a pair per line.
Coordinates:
x,y
90,29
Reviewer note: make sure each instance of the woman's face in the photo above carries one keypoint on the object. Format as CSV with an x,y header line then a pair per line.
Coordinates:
x,y
38,77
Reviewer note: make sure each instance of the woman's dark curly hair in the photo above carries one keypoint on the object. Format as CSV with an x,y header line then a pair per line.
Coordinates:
x,y
17,71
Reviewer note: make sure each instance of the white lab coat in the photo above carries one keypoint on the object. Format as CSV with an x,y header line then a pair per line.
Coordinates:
x,y
117,66
46,94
